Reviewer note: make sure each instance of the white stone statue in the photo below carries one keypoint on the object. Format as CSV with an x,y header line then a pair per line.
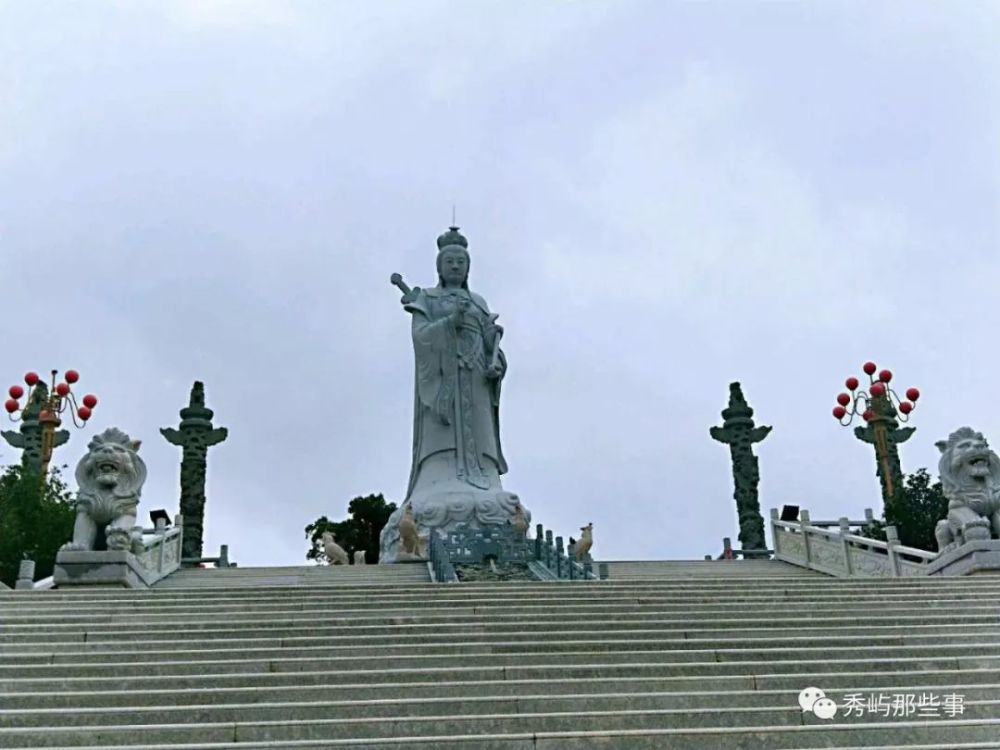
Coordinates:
x,y
970,479
335,554
110,479
457,460
520,521
359,557
582,547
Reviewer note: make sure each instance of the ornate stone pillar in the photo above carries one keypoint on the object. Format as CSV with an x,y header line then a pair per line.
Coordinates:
x,y
739,433
195,436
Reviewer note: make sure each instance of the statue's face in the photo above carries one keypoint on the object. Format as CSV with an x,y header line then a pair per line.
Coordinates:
x,y
971,457
453,267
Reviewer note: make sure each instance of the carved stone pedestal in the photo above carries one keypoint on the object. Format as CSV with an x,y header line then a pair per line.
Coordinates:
x,y
972,558
103,568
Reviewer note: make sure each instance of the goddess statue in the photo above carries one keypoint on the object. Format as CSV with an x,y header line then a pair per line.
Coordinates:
x,y
457,459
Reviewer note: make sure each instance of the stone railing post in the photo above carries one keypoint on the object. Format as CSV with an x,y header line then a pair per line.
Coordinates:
x,y
845,529
25,576
869,516
559,557
803,522
549,548
709,557
775,516
892,541
602,571
223,556
539,535
571,557
161,526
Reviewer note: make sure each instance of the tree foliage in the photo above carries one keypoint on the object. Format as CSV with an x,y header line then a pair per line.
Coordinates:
x,y
920,506
360,530
36,518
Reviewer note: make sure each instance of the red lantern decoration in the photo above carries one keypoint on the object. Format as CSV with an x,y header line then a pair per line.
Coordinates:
x,y
843,399
906,407
16,391
867,415
869,368
885,376
912,393
877,389
31,378
10,405
90,400
84,413
852,384
72,376
62,389
839,412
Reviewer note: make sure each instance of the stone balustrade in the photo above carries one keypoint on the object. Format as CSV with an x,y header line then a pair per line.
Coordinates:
x,y
840,553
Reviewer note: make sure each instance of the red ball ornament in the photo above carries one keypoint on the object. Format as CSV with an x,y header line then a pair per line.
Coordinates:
x,y
84,413
62,389
852,384
90,400
867,415
839,412
843,399
16,391
877,389
869,368
906,407
885,376
72,376
31,378
912,393
11,405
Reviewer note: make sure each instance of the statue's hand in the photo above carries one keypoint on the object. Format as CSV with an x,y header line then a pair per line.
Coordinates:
x,y
493,372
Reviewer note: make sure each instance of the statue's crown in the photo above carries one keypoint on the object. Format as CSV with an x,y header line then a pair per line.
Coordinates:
x,y
452,238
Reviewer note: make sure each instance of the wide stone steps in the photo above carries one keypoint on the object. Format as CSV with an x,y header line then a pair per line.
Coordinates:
x,y
619,570
325,575
683,662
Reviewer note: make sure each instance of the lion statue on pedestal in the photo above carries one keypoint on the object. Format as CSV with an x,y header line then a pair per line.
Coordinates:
x,y
970,479
110,478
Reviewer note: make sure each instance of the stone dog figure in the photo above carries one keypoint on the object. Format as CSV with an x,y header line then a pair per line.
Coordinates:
x,y
970,479
110,478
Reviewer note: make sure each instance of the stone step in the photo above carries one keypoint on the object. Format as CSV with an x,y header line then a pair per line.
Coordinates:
x,y
311,686
208,675
578,607
76,640
944,735
42,649
454,596
265,707
376,624
755,721
482,652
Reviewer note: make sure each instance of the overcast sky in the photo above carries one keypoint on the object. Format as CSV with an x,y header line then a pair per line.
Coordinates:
x,y
660,198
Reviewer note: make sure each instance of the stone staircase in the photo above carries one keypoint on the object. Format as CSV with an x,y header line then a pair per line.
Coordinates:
x,y
377,657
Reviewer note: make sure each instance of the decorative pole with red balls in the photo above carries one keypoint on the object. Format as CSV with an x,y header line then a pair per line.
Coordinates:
x,y
882,410
40,417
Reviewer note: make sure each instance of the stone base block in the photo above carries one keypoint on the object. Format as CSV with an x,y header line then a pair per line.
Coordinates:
x,y
118,568
972,558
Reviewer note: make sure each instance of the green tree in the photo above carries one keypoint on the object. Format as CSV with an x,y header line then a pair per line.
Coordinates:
x,y
361,530
922,504
36,518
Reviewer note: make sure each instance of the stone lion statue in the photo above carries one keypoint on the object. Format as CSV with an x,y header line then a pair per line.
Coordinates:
x,y
970,479
110,478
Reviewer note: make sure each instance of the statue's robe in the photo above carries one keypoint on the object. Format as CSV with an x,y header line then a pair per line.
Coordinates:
x,y
456,417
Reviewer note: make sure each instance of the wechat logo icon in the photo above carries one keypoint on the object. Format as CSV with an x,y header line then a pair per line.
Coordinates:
x,y
813,699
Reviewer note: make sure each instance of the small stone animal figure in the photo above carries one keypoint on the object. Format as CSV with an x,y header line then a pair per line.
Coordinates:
x,y
408,537
359,557
520,522
585,543
334,552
